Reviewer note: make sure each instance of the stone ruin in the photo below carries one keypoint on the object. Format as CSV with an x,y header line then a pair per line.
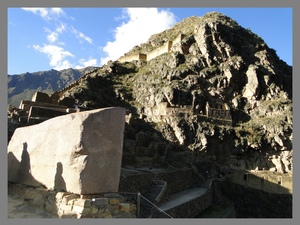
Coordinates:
x,y
166,47
219,111
40,108
79,153
43,106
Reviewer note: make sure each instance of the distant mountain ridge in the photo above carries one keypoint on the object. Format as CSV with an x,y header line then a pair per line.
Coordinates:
x,y
23,86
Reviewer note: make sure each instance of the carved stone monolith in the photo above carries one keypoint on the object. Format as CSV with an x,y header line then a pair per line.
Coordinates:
x,y
79,152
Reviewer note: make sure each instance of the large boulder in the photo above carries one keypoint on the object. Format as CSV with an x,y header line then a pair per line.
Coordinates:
x,y
79,152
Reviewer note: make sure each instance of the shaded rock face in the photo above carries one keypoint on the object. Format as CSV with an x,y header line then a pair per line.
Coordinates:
x,y
79,153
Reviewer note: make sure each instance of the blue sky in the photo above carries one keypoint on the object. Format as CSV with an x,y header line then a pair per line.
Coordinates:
x,y
41,39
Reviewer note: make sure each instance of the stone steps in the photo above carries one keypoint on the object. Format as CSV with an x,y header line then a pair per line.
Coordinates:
x,y
152,194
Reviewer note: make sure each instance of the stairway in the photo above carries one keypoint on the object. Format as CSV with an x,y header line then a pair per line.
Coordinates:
x,y
152,195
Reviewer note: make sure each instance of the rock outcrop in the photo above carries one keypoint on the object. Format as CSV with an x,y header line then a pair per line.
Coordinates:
x,y
79,153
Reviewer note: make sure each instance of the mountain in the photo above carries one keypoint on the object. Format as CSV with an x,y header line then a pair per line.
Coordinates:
x,y
23,86
207,86
206,94
217,90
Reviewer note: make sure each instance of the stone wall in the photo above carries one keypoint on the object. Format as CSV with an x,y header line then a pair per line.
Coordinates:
x,y
26,104
178,110
266,181
41,97
177,180
109,205
59,204
41,108
178,46
163,109
36,111
129,58
178,39
218,111
215,111
166,47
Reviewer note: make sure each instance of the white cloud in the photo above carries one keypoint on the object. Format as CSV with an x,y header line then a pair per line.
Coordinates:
x,y
80,35
143,22
46,13
60,28
57,11
64,65
53,35
85,63
56,55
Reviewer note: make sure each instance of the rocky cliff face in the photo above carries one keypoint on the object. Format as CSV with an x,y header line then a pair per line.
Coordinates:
x,y
176,102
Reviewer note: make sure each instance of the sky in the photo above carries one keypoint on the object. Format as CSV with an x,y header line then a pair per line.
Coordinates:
x,y
41,39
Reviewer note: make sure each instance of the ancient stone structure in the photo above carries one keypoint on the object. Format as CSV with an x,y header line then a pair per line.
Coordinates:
x,y
45,112
166,47
41,97
79,152
60,204
218,111
264,180
130,58
41,107
27,104
164,109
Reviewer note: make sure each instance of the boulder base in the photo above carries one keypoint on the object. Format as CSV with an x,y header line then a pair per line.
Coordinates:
x,y
79,152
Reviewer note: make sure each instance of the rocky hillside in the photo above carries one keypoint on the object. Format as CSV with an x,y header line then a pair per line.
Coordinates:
x,y
217,64
23,86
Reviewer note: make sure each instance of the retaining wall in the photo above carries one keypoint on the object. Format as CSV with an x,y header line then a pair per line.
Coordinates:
x,y
109,205
41,97
26,104
166,47
129,58
266,181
